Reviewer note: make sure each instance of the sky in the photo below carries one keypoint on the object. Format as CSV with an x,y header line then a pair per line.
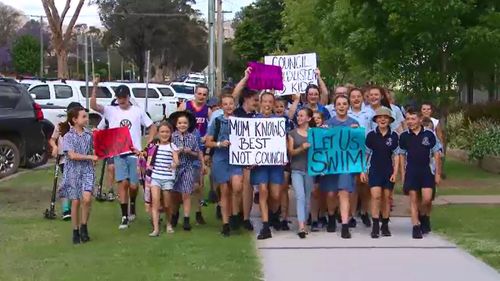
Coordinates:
x,y
89,14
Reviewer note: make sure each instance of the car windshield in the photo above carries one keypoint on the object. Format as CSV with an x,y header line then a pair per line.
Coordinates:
x,y
183,89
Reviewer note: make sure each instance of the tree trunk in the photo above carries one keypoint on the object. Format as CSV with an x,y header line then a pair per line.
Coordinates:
x,y
470,86
62,63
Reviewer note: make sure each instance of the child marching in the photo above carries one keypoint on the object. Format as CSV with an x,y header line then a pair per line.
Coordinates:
x,y
78,179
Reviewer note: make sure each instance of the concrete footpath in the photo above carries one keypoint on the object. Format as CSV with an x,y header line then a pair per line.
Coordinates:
x,y
326,256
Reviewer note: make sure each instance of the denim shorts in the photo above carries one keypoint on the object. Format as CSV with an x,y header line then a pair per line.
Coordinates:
x,y
267,175
222,171
126,169
163,184
337,182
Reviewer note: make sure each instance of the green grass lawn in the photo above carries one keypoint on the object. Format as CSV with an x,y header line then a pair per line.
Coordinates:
x,y
33,248
474,228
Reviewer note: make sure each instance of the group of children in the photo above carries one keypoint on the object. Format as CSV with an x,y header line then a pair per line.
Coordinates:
x,y
181,150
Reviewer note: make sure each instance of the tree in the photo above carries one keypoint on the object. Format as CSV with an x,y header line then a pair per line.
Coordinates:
x,y
32,27
26,55
61,38
9,22
258,31
170,29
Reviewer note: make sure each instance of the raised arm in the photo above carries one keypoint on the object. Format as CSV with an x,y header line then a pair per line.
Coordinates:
x,y
323,90
93,98
242,84
293,108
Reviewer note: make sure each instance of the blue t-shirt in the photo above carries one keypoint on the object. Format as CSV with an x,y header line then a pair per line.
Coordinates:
x,y
215,114
220,153
335,122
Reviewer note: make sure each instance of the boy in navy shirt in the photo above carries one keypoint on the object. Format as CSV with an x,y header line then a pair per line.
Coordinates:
x,y
382,146
420,175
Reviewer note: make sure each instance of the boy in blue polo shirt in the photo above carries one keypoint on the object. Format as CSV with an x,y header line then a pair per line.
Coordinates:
x,y
417,146
382,146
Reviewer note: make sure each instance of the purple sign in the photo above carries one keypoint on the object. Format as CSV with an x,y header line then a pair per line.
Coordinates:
x,y
265,77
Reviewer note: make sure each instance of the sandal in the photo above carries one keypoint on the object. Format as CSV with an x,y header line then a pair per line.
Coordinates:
x,y
170,229
154,234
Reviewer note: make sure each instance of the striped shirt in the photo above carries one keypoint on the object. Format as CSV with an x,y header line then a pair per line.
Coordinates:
x,y
162,169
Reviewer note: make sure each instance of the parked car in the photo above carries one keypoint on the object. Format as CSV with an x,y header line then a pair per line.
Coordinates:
x,y
23,130
168,92
158,107
183,90
59,94
196,78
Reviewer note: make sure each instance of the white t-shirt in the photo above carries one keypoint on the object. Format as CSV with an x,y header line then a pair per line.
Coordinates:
x,y
162,169
131,118
435,122
56,135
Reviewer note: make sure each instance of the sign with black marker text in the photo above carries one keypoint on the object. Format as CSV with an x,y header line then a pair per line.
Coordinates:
x,y
257,141
298,71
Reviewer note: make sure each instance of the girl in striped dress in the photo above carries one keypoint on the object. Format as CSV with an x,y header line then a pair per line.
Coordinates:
x,y
187,143
162,162
78,178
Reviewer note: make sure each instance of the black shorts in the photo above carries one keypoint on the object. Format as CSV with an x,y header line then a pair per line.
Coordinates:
x,y
380,180
416,180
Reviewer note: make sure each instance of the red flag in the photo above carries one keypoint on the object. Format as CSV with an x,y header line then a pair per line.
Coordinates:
x,y
112,142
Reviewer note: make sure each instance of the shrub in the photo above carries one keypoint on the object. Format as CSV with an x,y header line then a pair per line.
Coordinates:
x,y
490,110
486,142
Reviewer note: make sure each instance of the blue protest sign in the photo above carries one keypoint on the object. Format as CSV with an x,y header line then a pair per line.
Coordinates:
x,y
336,150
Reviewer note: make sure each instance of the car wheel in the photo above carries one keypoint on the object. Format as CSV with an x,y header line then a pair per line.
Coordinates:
x,y
9,158
37,159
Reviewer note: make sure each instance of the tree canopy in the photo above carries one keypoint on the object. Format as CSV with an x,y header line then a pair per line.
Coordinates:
x,y
26,55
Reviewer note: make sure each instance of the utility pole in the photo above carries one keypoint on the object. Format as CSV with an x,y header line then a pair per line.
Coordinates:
x,y
92,54
109,65
41,46
220,42
86,70
78,56
211,49
121,68
148,54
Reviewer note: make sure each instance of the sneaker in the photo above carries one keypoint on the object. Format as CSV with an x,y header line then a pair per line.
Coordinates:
x,y
366,220
175,219
154,234
322,222
265,233
170,229
275,222
314,226
284,225
66,216
332,224
256,198
76,236
124,223
84,233
375,229
346,234
218,212
131,217
247,224
302,234
417,232
111,196
352,223
203,203
385,228
186,225
226,230
199,219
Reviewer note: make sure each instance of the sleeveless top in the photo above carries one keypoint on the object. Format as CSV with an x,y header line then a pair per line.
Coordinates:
x,y
298,162
201,115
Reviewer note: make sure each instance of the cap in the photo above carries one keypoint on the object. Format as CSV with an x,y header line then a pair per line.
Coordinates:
x,y
383,111
213,101
75,104
122,91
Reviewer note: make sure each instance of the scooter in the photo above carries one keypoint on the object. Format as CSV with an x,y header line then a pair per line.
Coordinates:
x,y
100,196
50,213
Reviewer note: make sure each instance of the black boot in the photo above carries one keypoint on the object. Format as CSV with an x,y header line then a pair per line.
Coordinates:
x,y
247,224
425,223
186,226
385,228
346,234
84,233
332,224
265,232
218,212
366,220
274,218
76,236
417,232
226,230
375,228
199,219
352,222
234,222
175,219
284,225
